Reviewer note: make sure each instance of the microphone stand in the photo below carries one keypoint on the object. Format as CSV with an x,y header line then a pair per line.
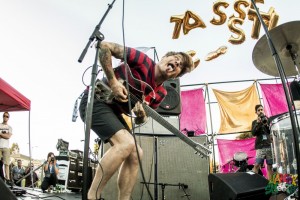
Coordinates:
x,y
286,91
96,35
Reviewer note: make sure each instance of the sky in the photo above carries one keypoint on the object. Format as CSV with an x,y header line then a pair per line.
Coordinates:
x,y
41,41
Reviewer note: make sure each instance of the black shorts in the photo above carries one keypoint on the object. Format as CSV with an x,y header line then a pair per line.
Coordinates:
x,y
106,119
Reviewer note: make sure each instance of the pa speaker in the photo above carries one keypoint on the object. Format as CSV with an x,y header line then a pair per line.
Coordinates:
x,y
234,186
171,105
5,192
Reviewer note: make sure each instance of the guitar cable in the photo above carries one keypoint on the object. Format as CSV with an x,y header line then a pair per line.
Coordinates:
x,y
129,100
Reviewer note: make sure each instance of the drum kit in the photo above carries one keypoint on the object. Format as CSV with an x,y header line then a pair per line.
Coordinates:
x,y
283,144
239,163
286,40
277,55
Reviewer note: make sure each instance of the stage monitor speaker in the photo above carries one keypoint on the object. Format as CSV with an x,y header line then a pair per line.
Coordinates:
x,y
234,186
171,105
5,192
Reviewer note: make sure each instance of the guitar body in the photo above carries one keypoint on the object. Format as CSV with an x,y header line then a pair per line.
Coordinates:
x,y
104,93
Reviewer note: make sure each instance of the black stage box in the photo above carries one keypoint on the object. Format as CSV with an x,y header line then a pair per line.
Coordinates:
x,y
234,186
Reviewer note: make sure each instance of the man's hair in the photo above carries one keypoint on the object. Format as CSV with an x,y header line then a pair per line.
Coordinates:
x,y
6,113
257,106
187,62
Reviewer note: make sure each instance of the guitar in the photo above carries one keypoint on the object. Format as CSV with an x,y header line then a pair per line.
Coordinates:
x,y
104,93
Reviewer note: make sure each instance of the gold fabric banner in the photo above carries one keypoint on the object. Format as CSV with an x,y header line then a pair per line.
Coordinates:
x,y
237,109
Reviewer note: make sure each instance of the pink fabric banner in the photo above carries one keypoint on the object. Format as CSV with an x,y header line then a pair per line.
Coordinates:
x,y
274,100
229,148
193,115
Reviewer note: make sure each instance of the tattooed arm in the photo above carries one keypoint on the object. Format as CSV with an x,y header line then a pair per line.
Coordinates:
x,y
107,50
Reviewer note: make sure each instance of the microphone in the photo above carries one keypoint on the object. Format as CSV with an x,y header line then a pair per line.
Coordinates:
x,y
75,110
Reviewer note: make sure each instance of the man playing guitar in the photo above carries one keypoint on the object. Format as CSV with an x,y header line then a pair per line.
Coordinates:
x,y
145,76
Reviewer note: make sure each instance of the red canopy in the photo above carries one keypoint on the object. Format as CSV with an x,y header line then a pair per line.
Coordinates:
x,y
11,99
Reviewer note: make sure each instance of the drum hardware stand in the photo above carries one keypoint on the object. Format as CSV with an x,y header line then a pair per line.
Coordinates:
x,y
98,36
284,84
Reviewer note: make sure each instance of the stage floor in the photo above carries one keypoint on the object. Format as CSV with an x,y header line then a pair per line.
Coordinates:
x,y
38,194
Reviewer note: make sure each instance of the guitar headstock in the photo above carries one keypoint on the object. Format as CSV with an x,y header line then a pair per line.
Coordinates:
x,y
103,92
202,151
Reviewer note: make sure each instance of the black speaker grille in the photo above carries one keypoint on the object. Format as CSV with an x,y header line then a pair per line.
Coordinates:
x,y
172,99
171,104
238,185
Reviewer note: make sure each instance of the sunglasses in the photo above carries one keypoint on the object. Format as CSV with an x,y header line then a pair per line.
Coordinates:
x,y
6,116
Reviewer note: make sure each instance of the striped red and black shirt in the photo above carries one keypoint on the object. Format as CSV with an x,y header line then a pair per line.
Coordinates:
x,y
142,67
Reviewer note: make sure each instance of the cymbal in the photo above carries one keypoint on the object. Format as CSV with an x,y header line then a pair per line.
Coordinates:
x,y
282,36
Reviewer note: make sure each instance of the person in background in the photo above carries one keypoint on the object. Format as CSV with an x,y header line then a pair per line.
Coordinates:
x,y
51,171
261,130
28,181
144,75
17,173
5,134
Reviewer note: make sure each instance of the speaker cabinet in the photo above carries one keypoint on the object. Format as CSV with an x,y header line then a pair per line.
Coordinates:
x,y
152,127
71,172
240,185
171,105
5,192
177,164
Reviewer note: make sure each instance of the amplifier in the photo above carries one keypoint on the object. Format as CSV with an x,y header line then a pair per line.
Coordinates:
x,y
152,127
71,172
68,175
72,154
63,167
78,152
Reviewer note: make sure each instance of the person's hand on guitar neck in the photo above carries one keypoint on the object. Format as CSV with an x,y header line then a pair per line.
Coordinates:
x,y
140,113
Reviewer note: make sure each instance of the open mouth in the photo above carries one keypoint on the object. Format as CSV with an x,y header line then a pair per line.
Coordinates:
x,y
171,66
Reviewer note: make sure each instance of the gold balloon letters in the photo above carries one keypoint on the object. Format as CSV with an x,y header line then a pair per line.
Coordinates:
x,y
185,20
237,7
190,20
222,15
195,60
214,54
240,33
270,19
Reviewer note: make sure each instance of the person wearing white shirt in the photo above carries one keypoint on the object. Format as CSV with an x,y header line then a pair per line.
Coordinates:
x,y
5,134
